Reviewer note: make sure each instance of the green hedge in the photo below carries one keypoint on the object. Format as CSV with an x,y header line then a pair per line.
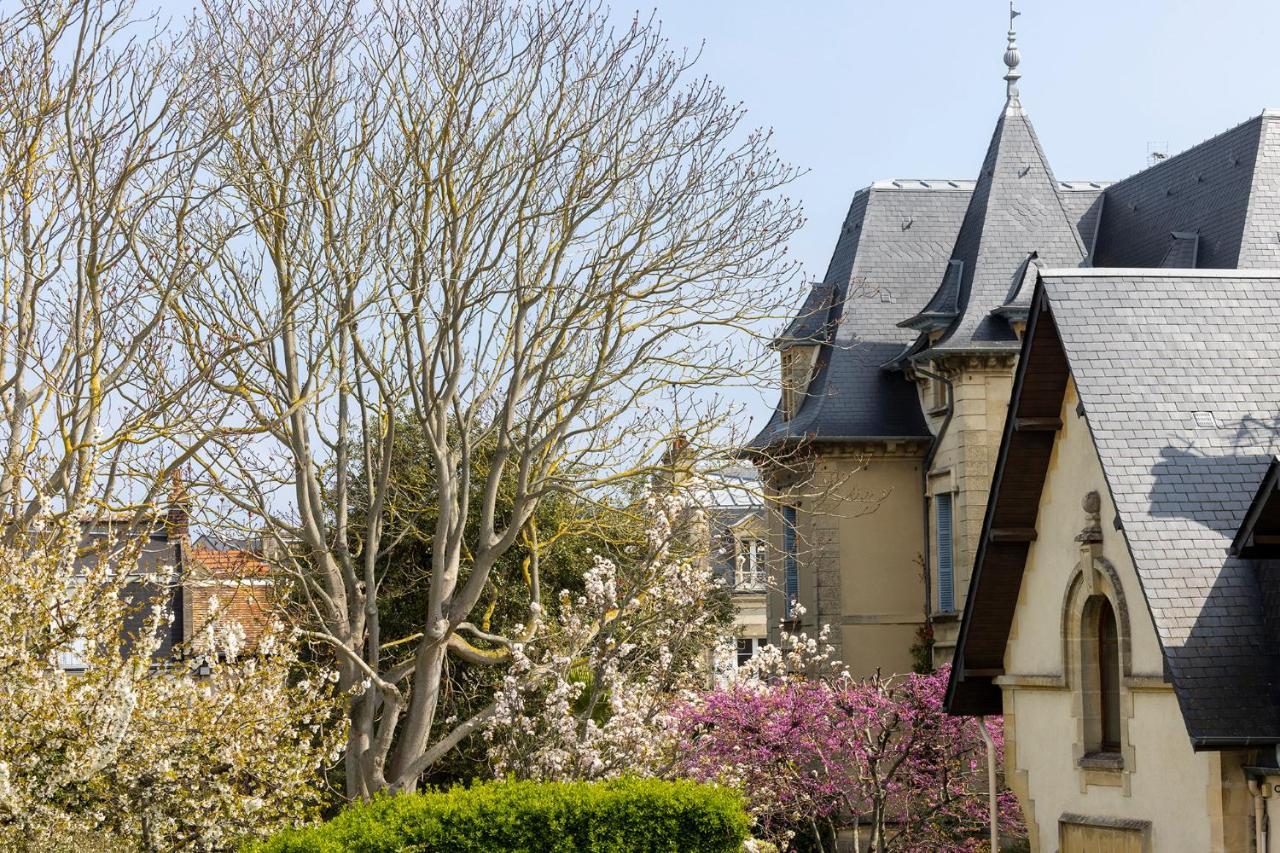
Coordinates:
x,y
532,817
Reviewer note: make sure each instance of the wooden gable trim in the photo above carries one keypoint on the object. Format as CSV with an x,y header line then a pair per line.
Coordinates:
x,y
1009,526
1259,533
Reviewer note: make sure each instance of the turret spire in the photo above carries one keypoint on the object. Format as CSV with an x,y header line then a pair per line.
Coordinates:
x,y
1011,55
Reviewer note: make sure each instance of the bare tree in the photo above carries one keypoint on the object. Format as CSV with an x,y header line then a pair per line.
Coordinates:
x,y
515,226
100,182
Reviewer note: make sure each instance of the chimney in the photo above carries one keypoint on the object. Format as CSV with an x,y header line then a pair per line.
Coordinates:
x,y
177,518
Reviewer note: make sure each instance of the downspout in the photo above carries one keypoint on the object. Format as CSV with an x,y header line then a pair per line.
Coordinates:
x,y
992,802
1259,815
924,483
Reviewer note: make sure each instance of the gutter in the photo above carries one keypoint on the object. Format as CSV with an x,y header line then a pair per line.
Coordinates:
x,y
1214,743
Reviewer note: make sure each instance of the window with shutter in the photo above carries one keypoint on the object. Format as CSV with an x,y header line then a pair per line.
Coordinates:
x,y
791,579
946,567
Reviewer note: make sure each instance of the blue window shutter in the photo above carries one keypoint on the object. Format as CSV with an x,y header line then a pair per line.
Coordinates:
x,y
791,584
946,566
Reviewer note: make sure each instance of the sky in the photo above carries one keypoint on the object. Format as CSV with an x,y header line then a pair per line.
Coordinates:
x,y
864,90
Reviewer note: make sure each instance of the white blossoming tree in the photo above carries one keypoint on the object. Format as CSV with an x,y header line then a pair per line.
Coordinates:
x,y
592,697
102,742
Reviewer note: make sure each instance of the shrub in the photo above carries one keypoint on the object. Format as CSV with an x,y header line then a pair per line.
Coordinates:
x,y
532,817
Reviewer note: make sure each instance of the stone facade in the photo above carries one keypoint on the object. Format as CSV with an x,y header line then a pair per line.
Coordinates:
x,y
1155,789
968,439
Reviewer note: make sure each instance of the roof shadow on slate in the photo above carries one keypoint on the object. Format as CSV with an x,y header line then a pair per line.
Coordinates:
x,y
1226,652
1226,659
1208,489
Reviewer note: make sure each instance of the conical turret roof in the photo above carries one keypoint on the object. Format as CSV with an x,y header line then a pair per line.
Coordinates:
x,y
1016,209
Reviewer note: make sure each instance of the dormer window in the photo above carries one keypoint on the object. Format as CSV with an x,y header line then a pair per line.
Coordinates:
x,y
797,371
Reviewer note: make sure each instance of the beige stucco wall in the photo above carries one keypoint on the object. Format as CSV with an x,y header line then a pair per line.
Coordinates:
x,y
860,545
1194,802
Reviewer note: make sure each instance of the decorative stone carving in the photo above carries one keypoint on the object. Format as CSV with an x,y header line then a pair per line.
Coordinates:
x,y
1092,532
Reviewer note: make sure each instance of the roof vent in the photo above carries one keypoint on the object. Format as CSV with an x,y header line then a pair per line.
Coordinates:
x,y
1205,420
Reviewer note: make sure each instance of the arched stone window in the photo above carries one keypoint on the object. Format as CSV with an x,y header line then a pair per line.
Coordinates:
x,y
1100,671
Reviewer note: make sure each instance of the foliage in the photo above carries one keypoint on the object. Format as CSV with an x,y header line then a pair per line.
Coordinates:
x,y
127,752
537,240
603,817
922,650
822,754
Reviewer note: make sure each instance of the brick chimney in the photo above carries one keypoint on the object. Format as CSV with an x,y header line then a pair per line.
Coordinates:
x,y
177,517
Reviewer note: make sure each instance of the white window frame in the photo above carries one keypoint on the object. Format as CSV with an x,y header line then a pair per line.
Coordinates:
x,y
748,570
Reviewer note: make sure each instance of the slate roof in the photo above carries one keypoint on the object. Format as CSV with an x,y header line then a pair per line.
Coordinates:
x,y
809,326
1177,375
1226,190
1016,208
892,248
1184,248
1216,205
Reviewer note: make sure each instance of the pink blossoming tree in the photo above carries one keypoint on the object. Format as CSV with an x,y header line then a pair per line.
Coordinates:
x,y
838,753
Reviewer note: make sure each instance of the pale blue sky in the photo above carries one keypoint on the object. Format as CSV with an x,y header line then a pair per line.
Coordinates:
x,y
862,90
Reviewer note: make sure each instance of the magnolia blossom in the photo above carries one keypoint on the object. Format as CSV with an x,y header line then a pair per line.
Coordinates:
x,y
592,696
125,753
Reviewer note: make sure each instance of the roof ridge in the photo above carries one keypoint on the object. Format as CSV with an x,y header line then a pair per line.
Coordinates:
x,y
938,184
1156,167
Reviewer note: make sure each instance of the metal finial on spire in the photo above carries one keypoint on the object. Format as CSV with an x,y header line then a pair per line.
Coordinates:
x,y
1011,55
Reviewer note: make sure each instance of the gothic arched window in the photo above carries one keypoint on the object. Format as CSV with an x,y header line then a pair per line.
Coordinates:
x,y
1108,678
1101,659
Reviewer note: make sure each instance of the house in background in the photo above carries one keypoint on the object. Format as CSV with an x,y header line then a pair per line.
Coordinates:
x,y
1124,611
736,526
202,584
156,575
897,370
228,583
